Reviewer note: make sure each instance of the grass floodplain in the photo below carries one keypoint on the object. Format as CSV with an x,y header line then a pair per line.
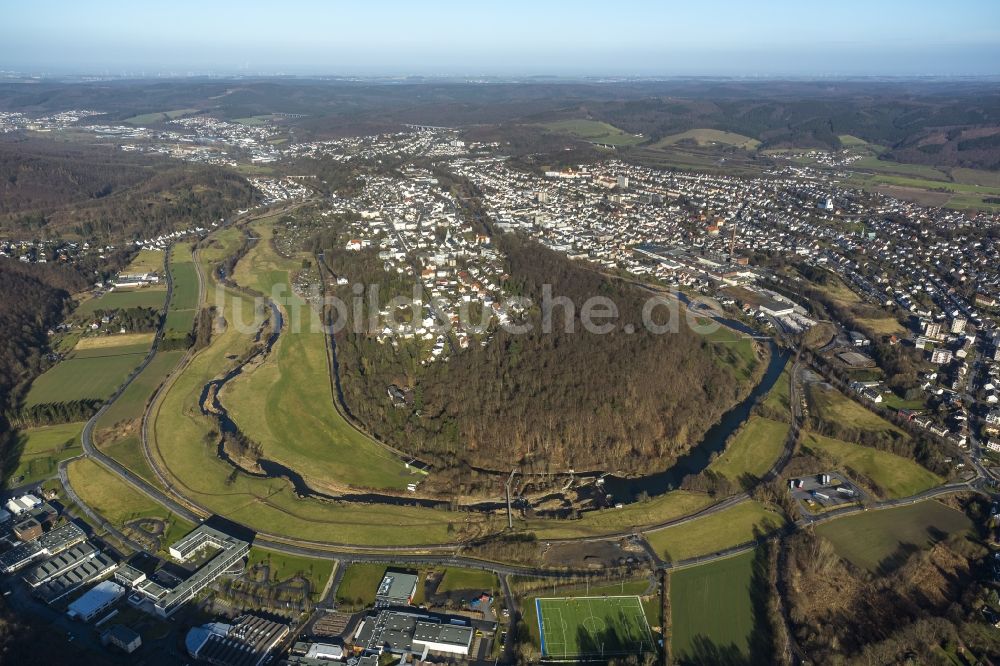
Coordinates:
x,y
574,628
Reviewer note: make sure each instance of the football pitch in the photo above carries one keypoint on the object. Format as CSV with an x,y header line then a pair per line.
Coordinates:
x,y
580,628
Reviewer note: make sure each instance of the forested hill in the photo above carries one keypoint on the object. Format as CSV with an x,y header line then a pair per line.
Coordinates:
x,y
30,307
631,402
100,193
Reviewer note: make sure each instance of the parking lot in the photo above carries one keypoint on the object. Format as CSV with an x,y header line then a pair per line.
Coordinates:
x,y
821,492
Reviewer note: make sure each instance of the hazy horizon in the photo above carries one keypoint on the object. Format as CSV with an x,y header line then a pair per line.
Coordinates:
x,y
309,38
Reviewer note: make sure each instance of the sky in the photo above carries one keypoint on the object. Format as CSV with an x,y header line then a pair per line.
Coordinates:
x,y
509,38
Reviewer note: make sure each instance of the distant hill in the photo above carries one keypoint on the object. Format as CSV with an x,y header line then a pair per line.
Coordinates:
x,y
903,115
101,193
972,147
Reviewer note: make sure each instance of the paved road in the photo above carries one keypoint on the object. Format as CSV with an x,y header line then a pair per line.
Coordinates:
x,y
441,554
87,436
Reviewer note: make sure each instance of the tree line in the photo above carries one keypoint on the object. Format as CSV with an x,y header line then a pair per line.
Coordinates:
x,y
30,307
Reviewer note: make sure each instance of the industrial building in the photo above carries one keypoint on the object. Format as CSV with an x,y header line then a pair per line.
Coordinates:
x,y
18,505
60,563
122,637
249,641
51,543
73,579
28,529
313,654
414,633
396,589
775,308
98,599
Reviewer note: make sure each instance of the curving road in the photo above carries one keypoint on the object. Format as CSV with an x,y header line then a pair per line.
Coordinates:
x,y
438,554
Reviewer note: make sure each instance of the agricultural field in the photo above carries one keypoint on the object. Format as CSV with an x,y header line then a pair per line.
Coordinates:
x,y
185,279
848,141
105,342
897,476
778,397
955,188
594,131
976,177
145,297
592,627
117,433
734,351
185,296
158,116
146,261
106,346
924,171
753,449
132,401
716,532
287,402
877,540
117,501
708,137
254,121
712,610
715,159
39,451
127,450
84,378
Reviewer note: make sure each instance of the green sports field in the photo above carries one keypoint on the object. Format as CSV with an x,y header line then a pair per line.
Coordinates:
x,y
574,628
710,605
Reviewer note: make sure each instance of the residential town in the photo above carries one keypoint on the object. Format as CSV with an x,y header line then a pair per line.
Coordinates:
x,y
791,253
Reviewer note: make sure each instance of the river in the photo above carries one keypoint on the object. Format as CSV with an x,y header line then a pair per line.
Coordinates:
x,y
627,490
623,490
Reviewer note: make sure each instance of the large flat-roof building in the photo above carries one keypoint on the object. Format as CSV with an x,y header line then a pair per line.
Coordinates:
x,y
98,599
73,579
313,654
249,641
396,589
401,632
51,543
61,563
122,637
168,598
18,505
